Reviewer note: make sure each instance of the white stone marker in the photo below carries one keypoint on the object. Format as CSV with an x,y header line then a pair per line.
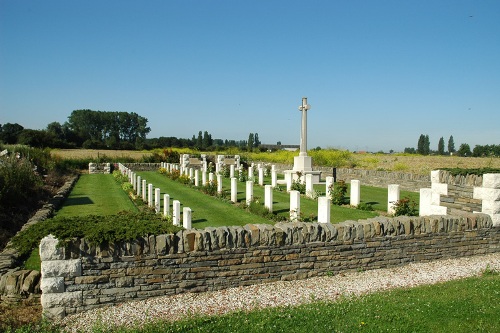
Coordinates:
x,y
144,188
268,197
166,204
490,194
132,180
309,185
274,178
294,205
392,197
190,173
231,171
211,177
157,200
261,176
324,204
234,189
196,178
355,192
150,195
249,192
138,185
288,180
203,178
219,184
186,217
329,185
176,212
250,172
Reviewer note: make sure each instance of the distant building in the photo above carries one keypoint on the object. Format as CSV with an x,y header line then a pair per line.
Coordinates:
x,y
280,147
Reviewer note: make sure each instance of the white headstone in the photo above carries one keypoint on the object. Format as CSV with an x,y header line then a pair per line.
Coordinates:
x,y
150,195
157,200
249,192
324,204
138,185
203,178
392,197
309,185
268,197
250,173
355,192
329,186
234,189
196,177
231,171
294,205
274,178
186,218
261,176
144,189
219,184
176,212
166,204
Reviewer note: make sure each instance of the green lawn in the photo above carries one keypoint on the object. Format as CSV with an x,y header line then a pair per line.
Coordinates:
x,y
209,211
96,195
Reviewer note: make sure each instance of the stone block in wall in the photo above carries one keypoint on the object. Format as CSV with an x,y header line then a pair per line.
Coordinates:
x,y
489,193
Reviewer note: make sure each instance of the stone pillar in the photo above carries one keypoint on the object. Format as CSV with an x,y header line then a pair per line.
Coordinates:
x,y
309,185
54,268
329,185
490,194
166,204
261,176
186,218
294,205
324,204
176,212
392,197
249,192
234,189
219,184
268,197
157,200
150,195
196,178
274,178
355,192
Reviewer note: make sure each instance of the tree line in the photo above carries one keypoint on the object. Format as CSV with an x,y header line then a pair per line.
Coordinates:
x,y
424,148
112,130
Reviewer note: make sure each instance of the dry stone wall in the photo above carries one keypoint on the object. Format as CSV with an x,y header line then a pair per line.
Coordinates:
x,y
84,276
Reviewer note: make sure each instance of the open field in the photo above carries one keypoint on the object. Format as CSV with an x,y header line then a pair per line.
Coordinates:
x,y
416,164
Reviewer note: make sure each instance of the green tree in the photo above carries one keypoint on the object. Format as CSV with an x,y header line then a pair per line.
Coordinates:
x,y
441,146
464,150
199,141
451,145
10,133
256,140
421,144
427,145
251,139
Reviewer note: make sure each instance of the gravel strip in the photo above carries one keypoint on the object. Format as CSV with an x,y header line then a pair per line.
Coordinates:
x,y
282,293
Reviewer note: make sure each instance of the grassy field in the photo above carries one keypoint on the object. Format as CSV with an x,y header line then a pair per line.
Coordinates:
x,y
415,164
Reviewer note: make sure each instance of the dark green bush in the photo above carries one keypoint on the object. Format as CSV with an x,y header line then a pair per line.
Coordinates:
x,y
338,192
405,206
465,172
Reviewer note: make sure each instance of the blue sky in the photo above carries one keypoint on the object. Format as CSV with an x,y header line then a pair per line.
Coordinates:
x,y
376,73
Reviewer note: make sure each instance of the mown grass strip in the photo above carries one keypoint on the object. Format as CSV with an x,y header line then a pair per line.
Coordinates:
x,y
207,211
96,195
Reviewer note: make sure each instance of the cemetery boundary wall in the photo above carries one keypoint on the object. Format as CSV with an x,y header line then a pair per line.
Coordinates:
x,y
83,276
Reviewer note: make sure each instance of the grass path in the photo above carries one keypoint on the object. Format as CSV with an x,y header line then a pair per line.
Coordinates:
x,y
96,195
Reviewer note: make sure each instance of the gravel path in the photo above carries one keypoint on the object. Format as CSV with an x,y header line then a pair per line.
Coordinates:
x,y
281,293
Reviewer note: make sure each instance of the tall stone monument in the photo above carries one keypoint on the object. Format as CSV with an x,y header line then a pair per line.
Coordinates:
x,y
303,163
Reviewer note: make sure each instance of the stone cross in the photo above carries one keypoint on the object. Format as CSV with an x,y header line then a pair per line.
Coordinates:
x,y
303,133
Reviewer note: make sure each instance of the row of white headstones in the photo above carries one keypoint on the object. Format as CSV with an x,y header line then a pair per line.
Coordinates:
x,y
152,195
